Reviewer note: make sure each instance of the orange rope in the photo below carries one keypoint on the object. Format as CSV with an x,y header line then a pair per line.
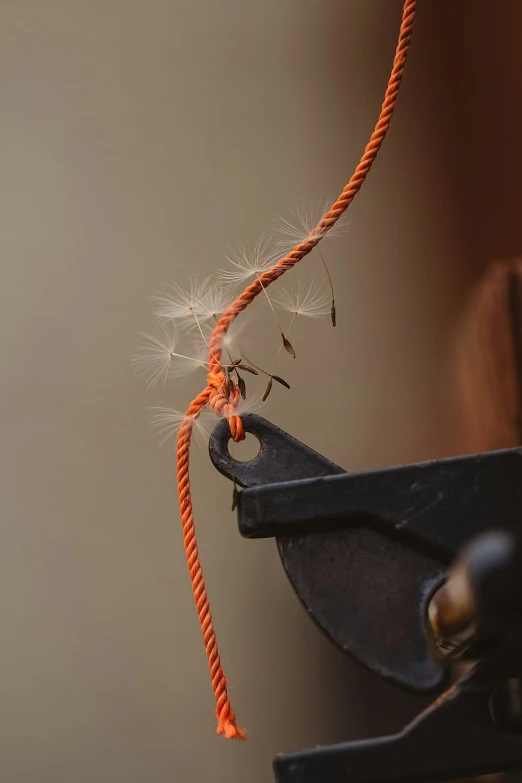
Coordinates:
x,y
224,402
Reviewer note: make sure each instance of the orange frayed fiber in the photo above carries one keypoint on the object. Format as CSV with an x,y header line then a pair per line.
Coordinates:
x,y
222,395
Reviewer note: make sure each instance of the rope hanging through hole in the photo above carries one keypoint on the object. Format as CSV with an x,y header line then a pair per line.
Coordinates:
x,y
224,401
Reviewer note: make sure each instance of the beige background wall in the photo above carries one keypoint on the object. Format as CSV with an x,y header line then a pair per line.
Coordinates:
x,y
139,140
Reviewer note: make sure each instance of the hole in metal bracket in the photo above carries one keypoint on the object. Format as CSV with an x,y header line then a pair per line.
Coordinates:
x,y
246,450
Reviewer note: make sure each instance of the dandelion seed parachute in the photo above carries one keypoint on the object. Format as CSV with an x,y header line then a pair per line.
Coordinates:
x,y
157,359
309,301
237,341
246,264
177,303
167,421
230,341
303,226
214,298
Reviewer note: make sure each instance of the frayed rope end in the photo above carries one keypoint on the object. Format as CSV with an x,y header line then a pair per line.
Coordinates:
x,y
230,729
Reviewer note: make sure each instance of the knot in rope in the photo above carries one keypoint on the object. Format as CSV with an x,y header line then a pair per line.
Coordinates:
x,y
224,402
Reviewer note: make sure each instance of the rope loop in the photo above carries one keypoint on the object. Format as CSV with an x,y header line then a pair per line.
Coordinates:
x,y
224,402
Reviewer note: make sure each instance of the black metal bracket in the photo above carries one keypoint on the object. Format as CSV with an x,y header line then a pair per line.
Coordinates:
x,y
365,552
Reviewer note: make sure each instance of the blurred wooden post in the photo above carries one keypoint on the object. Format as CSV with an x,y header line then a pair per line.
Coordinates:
x,y
489,360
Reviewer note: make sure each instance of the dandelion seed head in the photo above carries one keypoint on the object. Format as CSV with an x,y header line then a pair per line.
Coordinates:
x,y
176,303
236,340
167,421
245,264
301,227
157,358
306,300
214,298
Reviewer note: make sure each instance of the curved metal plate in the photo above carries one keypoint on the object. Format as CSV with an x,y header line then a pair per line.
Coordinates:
x,y
366,591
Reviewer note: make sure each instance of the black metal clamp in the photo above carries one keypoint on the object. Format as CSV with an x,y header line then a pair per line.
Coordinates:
x,y
366,553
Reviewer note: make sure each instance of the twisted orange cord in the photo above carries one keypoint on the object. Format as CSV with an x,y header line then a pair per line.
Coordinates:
x,y
224,402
